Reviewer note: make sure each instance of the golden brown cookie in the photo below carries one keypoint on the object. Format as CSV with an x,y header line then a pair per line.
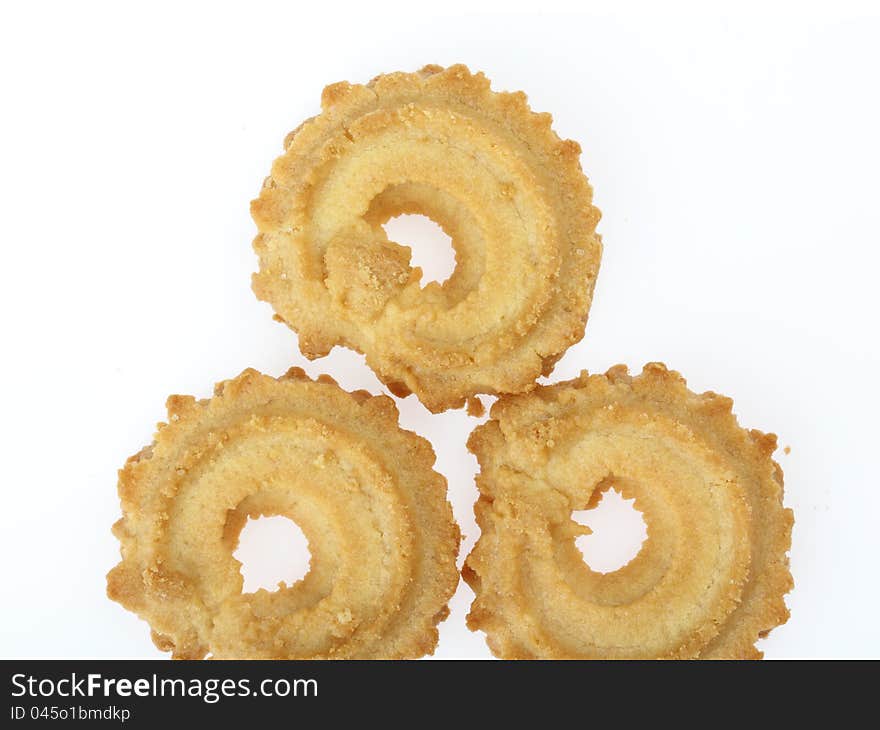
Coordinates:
x,y
382,538
496,178
709,579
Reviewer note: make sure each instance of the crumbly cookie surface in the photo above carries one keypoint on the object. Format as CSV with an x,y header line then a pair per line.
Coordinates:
x,y
709,579
506,189
381,534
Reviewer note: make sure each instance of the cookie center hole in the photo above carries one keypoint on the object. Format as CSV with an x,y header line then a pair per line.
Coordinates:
x,y
432,249
618,531
273,553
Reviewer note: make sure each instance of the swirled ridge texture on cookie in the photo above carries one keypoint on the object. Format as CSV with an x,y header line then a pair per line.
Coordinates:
x,y
709,579
510,194
382,538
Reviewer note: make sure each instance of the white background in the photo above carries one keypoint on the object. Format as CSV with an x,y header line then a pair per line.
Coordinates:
x,y
735,158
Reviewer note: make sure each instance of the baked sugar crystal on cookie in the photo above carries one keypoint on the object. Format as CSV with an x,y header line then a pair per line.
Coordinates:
x,y
509,193
711,575
382,538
